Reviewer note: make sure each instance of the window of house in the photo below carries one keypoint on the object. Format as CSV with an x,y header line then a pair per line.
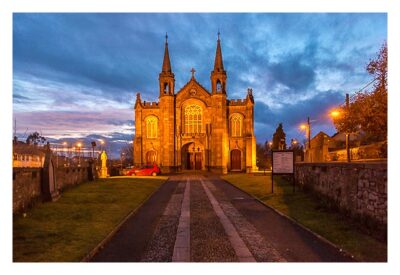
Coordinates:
x,y
151,127
236,125
193,119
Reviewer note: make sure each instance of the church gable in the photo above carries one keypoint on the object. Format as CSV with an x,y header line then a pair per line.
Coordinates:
x,y
193,89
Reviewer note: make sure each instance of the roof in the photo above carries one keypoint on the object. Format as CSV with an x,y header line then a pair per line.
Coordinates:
x,y
27,149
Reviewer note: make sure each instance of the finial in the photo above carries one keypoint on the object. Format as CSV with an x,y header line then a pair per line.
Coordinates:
x,y
218,34
166,37
193,71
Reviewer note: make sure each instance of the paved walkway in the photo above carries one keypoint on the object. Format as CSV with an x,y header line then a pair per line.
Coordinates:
x,y
201,218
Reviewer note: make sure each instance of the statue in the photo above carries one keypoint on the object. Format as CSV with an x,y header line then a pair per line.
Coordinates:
x,y
103,159
103,170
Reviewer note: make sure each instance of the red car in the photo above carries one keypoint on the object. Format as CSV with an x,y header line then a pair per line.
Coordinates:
x,y
148,170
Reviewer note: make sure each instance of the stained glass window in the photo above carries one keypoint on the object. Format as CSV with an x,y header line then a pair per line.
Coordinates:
x,y
236,125
151,127
192,119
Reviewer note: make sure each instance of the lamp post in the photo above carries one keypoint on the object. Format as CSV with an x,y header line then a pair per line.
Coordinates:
x,y
65,154
336,114
79,153
93,145
307,128
55,146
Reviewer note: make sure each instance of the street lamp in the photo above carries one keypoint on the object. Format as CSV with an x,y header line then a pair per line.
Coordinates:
x,y
93,145
65,152
101,145
79,153
336,114
307,128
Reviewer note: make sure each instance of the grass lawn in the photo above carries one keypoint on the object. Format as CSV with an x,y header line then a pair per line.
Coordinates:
x,y
66,230
308,211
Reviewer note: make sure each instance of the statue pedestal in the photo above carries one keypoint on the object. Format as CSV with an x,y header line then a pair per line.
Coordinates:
x,y
103,172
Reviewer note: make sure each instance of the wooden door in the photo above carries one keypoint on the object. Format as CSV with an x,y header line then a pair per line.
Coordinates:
x,y
190,161
150,157
236,161
198,158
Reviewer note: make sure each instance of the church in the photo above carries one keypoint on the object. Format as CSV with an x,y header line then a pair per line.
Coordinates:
x,y
193,128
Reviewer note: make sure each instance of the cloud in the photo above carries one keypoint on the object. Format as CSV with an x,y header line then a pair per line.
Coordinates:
x,y
77,74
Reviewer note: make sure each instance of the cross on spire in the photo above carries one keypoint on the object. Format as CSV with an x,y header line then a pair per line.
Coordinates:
x,y
166,37
218,34
193,71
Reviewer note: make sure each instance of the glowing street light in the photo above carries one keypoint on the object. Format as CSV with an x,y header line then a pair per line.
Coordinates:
x,y
101,144
66,153
335,114
79,152
307,128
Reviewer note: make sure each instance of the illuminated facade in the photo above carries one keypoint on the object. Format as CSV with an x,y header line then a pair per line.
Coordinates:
x,y
195,129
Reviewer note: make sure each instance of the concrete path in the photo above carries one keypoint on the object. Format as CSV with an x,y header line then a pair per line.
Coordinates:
x,y
201,218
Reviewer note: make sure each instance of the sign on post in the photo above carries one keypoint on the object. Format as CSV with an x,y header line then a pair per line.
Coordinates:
x,y
282,164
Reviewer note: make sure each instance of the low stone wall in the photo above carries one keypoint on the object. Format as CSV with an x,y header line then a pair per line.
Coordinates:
x,y
27,184
26,187
70,176
358,188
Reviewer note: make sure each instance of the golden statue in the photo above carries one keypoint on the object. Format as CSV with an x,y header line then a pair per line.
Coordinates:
x,y
103,171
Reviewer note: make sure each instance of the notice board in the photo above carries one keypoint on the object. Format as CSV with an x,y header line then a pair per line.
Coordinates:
x,y
283,162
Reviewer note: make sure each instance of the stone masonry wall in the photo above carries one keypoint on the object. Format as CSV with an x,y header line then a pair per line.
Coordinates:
x,y
27,184
26,187
70,176
358,188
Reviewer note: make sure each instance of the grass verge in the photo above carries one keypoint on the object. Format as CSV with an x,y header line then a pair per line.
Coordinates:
x,y
66,230
307,210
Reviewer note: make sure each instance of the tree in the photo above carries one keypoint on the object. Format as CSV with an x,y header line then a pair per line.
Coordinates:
x,y
35,138
279,139
261,156
127,155
297,148
367,112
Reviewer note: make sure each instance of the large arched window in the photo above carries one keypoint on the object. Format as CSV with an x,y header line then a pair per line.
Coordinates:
x,y
192,119
236,125
151,127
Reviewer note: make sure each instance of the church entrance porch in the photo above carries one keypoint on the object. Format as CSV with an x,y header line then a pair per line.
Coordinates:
x,y
192,156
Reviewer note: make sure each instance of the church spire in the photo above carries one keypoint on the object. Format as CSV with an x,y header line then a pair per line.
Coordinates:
x,y
218,64
218,75
166,67
166,78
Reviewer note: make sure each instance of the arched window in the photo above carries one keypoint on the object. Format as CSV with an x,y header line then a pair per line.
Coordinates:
x,y
236,125
166,88
219,86
192,119
151,127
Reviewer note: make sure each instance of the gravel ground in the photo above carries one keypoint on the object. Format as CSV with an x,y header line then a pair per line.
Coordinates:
x,y
262,250
208,239
161,246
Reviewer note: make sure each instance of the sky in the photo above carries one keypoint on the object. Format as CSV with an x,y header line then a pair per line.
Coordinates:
x,y
75,76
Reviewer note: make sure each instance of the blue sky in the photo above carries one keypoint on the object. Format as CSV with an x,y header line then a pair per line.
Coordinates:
x,y
75,76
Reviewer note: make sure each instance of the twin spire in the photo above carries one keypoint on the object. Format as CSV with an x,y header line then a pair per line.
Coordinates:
x,y
218,63
166,66
218,75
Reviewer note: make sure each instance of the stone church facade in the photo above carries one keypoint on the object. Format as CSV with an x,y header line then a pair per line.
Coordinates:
x,y
195,129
